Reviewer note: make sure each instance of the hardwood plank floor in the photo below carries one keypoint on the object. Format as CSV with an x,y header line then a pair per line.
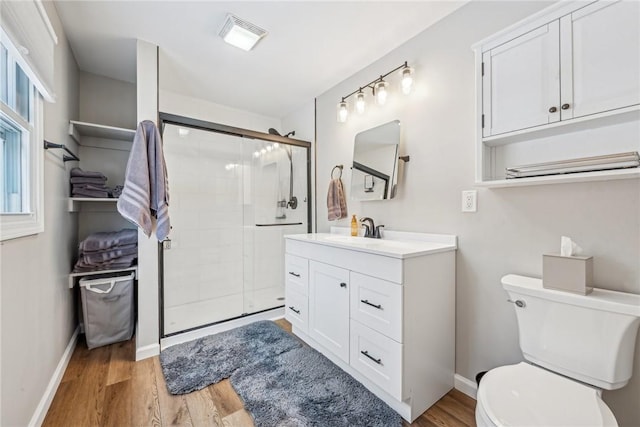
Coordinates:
x,y
106,387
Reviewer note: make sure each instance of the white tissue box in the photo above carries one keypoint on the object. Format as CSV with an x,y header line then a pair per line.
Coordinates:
x,y
568,273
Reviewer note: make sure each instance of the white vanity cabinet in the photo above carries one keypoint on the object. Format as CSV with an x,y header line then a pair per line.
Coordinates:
x,y
382,310
563,73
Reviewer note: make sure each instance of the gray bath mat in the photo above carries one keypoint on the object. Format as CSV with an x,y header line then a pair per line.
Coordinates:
x,y
282,382
194,365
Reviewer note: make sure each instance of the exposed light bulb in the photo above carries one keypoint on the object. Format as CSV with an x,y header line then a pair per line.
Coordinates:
x,y
407,79
263,151
381,92
360,102
256,154
276,145
269,147
343,112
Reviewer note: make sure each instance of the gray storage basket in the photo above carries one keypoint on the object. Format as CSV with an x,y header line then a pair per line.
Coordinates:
x,y
107,309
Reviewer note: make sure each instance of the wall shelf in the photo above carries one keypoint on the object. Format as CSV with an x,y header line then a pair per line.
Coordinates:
x,y
77,130
75,202
563,178
73,276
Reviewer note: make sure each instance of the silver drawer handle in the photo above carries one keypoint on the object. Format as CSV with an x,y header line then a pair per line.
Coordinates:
x,y
294,310
294,274
378,306
366,353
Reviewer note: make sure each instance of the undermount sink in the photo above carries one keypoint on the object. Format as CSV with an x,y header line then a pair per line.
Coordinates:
x,y
397,244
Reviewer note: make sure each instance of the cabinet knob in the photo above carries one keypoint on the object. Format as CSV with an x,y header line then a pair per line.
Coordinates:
x,y
343,285
565,106
553,109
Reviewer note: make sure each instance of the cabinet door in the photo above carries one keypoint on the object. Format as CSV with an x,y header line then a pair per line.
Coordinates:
x,y
600,56
329,307
521,82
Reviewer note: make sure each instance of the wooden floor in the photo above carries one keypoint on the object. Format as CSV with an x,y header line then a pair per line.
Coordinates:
x,y
105,387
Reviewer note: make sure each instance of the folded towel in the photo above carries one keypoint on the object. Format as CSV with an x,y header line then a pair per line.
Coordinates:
x,y
108,240
124,262
336,203
82,180
96,194
77,172
146,190
91,258
94,187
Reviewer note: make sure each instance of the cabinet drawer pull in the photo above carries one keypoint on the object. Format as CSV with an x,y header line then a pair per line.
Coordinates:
x,y
343,285
294,274
378,306
565,106
294,310
366,353
553,109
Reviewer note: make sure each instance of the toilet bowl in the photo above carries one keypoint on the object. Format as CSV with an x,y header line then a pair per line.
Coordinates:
x,y
527,395
569,357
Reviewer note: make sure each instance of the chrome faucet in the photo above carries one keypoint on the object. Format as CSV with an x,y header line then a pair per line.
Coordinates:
x,y
370,230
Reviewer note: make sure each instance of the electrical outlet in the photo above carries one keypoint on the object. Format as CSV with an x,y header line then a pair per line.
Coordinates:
x,y
469,201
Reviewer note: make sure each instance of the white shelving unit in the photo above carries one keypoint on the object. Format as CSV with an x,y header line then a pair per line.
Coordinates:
x,y
79,129
91,136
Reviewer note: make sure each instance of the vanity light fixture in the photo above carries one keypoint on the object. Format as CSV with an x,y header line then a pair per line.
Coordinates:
x,y
342,111
240,33
380,90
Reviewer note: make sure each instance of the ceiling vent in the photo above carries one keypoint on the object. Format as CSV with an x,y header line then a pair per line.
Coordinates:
x,y
241,33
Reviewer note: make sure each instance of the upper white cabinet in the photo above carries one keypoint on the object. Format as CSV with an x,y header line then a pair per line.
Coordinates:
x,y
561,85
521,82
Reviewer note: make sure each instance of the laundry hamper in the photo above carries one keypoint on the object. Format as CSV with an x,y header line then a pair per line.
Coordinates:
x,y
107,309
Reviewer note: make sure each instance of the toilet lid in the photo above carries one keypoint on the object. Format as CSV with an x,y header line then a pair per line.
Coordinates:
x,y
522,394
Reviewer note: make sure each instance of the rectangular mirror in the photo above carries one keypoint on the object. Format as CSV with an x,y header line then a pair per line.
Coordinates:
x,y
374,172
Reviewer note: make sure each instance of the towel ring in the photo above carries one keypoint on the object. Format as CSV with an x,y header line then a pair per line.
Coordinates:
x,y
339,167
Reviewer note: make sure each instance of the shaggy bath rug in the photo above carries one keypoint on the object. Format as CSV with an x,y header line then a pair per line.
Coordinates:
x,y
281,381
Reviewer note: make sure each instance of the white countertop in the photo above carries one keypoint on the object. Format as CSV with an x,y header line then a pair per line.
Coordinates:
x,y
395,244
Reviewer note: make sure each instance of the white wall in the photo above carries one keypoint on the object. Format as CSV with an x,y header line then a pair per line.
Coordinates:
x,y
37,313
513,226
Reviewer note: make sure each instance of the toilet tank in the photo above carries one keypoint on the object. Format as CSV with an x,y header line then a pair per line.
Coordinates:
x,y
590,338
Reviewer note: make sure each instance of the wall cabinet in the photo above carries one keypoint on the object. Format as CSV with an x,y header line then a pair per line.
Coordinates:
x,y
571,68
386,318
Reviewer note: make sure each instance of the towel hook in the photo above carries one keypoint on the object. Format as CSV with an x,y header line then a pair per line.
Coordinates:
x,y
339,167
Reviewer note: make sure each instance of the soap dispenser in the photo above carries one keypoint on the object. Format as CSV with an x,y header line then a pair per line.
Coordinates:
x,y
354,226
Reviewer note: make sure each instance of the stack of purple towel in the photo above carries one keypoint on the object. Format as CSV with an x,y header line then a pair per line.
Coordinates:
x,y
107,251
88,184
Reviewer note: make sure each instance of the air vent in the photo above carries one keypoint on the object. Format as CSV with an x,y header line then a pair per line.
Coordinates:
x,y
240,33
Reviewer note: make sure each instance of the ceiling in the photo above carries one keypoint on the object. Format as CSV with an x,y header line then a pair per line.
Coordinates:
x,y
310,46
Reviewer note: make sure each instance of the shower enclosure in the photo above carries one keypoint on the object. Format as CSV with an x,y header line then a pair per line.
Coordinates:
x,y
234,195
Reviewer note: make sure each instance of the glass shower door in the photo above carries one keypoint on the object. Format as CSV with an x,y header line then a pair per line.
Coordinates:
x,y
231,204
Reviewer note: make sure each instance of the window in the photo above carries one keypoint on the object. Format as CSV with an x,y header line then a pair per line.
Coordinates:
x,y
21,212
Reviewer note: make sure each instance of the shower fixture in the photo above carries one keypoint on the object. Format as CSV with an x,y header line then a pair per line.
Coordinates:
x,y
293,200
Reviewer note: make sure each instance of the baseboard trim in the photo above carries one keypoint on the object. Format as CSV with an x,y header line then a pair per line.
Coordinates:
x,y
147,351
43,406
465,385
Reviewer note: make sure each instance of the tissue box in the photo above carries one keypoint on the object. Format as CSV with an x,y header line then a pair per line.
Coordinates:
x,y
568,273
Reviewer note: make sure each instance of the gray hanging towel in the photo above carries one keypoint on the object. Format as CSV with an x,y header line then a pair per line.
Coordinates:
x,y
146,189
336,202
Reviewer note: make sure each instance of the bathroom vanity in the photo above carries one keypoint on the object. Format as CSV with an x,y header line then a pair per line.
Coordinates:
x,y
383,310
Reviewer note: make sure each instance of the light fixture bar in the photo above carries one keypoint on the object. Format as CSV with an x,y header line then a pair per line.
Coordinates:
x,y
377,85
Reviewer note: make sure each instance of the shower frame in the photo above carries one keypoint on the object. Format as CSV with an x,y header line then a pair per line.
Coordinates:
x,y
188,122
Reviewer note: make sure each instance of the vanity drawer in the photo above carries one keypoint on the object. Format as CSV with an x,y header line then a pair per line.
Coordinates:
x,y
377,357
377,304
296,273
296,309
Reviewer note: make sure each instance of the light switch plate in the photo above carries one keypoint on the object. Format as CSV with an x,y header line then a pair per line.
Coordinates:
x,y
470,201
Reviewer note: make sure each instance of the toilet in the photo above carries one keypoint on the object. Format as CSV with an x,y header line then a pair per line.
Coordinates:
x,y
574,345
